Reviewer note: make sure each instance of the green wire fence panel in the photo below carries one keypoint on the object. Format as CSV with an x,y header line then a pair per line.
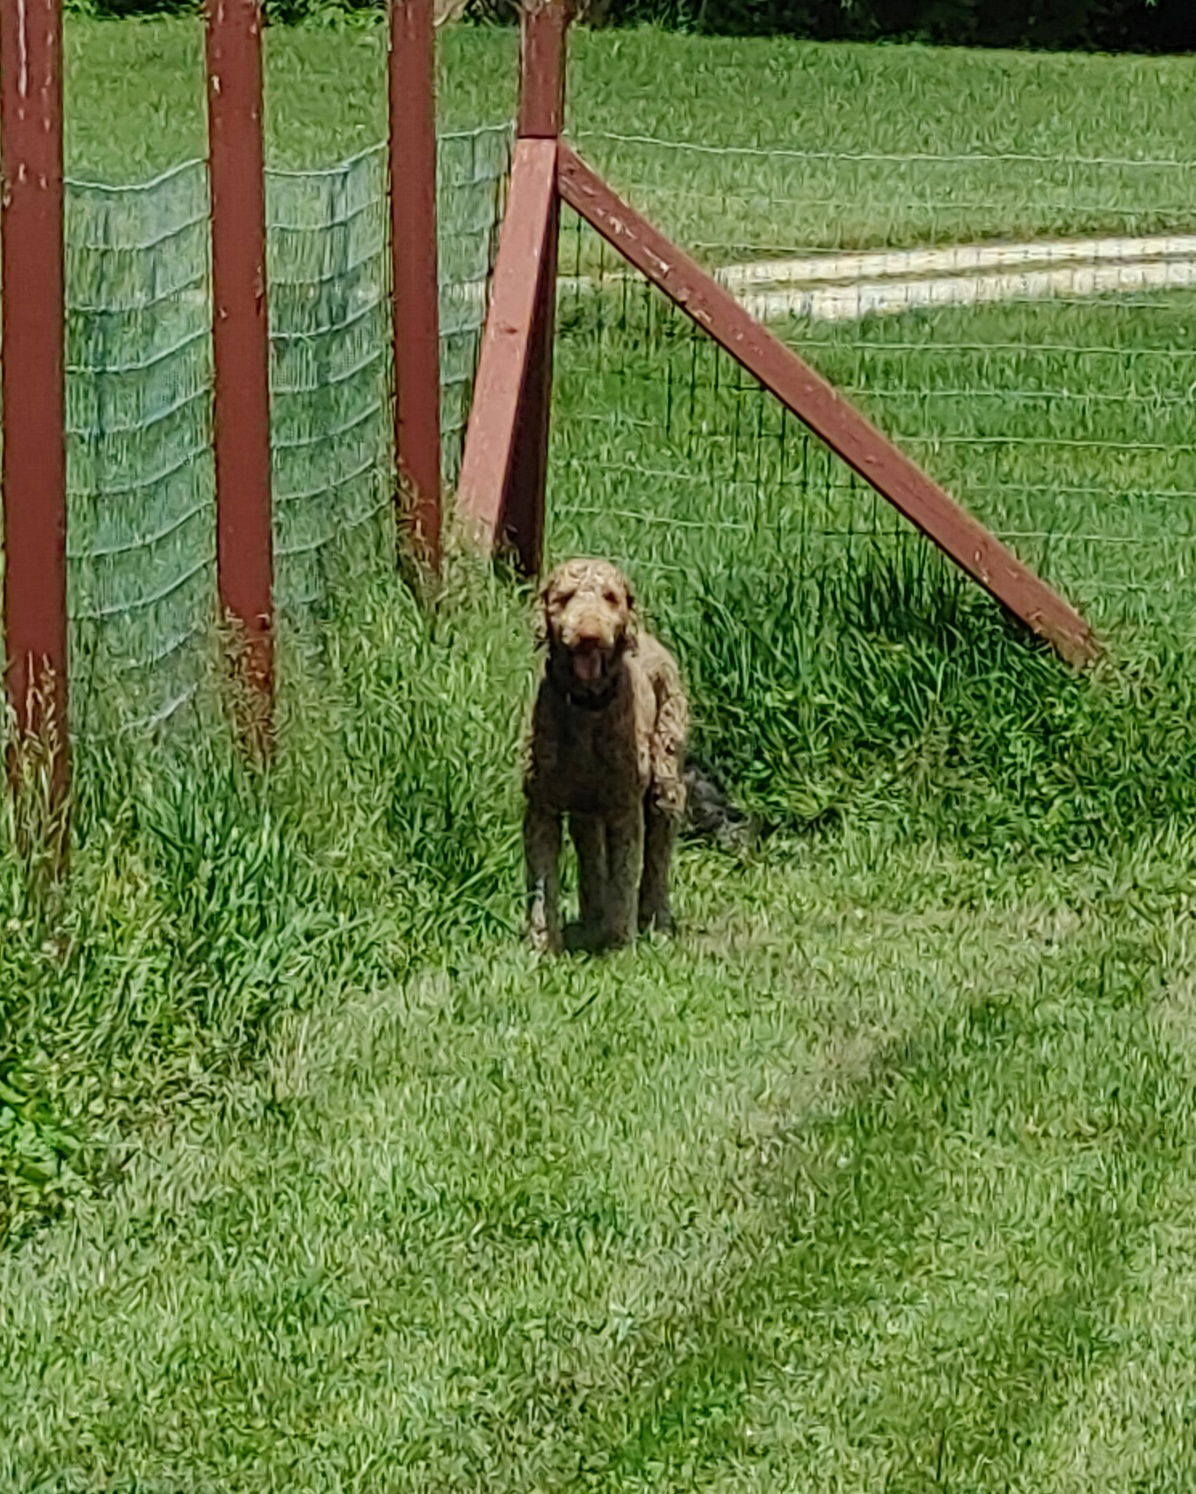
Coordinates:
x,y
1021,325
140,485
139,381
326,240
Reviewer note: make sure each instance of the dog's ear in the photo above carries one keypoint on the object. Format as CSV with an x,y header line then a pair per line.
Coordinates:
x,y
632,631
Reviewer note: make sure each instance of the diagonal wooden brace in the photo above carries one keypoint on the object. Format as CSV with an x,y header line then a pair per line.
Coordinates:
x,y
831,417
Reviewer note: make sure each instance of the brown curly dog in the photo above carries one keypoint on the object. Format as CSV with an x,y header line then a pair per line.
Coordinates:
x,y
606,748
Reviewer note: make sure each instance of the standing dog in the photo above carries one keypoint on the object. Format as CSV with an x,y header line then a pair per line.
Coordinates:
x,y
606,748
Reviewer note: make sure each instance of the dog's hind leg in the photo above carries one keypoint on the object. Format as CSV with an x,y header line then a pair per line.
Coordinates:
x,y
660,832
542,855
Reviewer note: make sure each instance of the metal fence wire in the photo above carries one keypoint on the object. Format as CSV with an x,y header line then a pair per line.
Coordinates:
x,y
139,384
1023,326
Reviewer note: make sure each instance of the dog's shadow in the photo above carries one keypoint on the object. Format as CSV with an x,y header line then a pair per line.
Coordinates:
x,y
576,939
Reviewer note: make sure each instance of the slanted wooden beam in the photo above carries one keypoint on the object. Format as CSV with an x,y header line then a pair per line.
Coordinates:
x,y
835,420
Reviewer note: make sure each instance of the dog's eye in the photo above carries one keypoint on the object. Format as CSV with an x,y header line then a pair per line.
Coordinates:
x,y
563,598
611,598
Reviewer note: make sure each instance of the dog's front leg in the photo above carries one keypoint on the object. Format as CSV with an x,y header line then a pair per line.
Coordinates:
x,y
659,835
589,837
542,858
625,860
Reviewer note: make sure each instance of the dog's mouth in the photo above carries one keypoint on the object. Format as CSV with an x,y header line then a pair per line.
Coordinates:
x,y
588,662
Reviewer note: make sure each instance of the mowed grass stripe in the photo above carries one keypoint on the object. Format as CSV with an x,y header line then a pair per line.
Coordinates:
x,y
754,1197
956,1247
459,1166
1131,1425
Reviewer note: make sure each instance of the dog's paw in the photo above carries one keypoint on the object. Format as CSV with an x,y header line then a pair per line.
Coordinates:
x,y
659,922
543,942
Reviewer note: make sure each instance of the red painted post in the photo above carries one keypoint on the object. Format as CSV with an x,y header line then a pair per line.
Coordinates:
x,y
493,433
412,166
34,460
542,69
541,117
240,344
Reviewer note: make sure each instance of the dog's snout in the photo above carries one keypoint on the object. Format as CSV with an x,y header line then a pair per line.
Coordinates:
x,y
588,627
589,633
587,609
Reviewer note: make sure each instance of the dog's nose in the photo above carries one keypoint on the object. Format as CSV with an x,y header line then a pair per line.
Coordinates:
x,y
587,633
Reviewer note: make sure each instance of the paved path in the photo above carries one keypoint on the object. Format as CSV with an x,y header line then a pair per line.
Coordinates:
x,y
843,287
872,282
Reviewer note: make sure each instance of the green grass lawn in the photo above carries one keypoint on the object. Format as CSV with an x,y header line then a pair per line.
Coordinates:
x,y
880,1171
135,102
879,1176
855,1185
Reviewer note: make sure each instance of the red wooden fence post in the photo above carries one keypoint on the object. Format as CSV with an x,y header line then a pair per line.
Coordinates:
x,y
542,69
34,460
541,117
416,304
504,361
505,462
240,345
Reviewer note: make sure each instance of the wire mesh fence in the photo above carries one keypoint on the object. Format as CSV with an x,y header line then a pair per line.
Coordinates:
x,y
139,383
1023,326
141,528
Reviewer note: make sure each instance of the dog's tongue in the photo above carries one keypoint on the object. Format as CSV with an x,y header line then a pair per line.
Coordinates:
x,y
587,665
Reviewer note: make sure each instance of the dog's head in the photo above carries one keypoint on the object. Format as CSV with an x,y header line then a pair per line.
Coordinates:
x,y
588,622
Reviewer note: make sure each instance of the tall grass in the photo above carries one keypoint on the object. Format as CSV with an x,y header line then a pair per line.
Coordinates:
x,y
915,698
205,897
842,666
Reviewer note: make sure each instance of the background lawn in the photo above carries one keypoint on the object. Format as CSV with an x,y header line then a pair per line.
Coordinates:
x,y
880,1174
135,106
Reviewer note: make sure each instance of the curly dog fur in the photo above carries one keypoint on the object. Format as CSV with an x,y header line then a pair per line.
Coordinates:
x,y
606,749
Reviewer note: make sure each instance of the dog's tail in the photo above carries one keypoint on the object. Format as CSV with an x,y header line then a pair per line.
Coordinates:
x,y
710,815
